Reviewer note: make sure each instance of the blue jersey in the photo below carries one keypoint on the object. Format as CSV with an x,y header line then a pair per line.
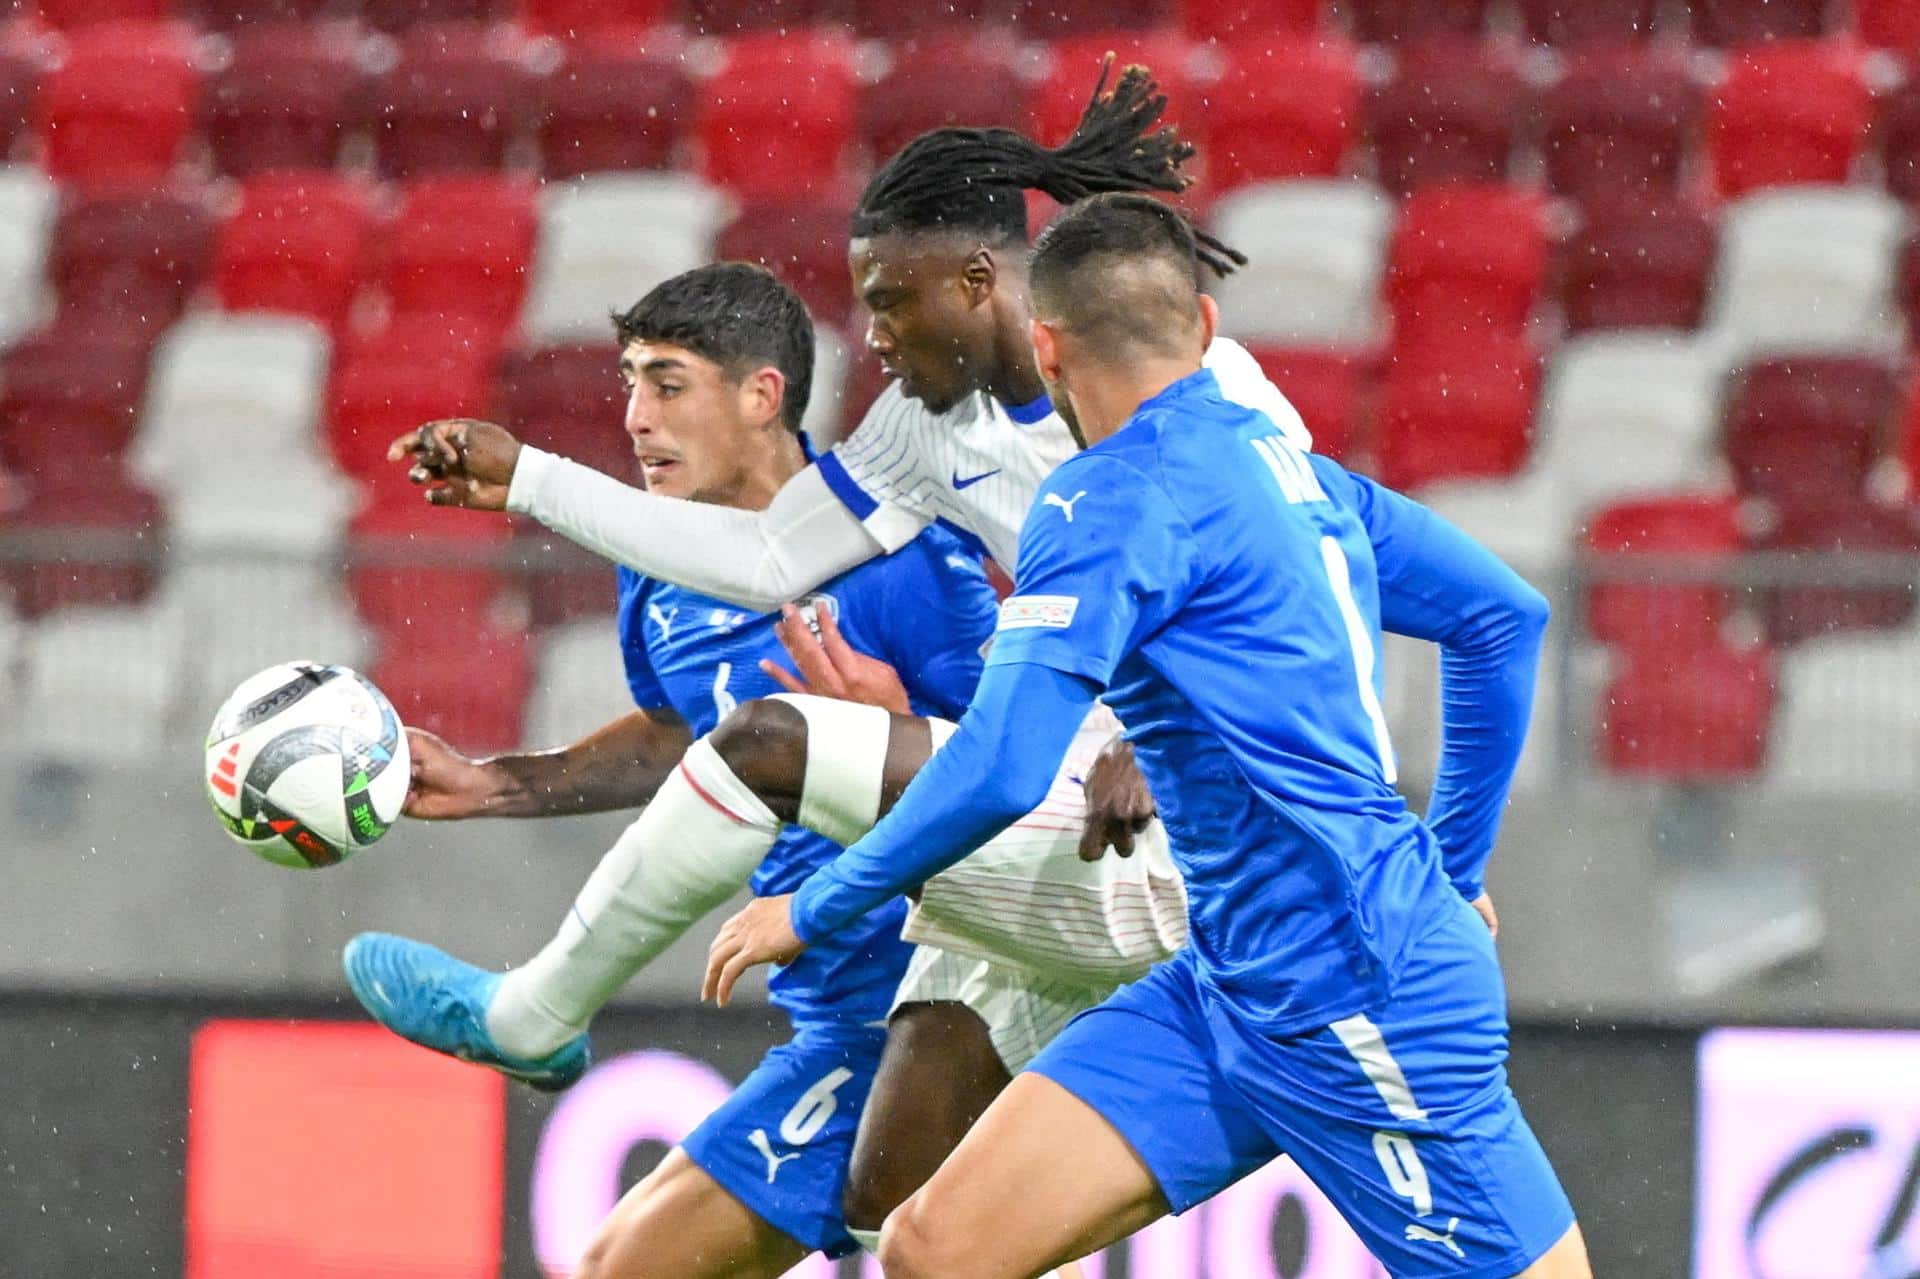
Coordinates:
x,y
1222,586
927,610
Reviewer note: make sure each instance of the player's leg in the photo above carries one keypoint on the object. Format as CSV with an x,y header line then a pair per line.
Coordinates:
x,y
1404,1119
679,1223
1130,1094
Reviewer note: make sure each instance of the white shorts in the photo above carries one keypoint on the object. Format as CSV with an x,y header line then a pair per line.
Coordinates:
x,y
1024,898
1023,1010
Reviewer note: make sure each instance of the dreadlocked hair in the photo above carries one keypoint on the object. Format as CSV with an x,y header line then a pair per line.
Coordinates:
x,y
973,179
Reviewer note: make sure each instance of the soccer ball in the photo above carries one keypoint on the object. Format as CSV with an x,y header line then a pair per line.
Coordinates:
x,y
306,764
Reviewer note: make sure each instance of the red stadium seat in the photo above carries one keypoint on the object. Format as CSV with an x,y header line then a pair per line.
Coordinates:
x,y
1889,24
116,112
297,244
471,689
779,116
402,15
1446,116
947,78
1284,108
284,102
68,403
1328,387
128,263
864,381
1460,409
428,603
734,17
22,64
1464,258
103,503
1727,24
379,391
803,244
1396,21
1629,603
459,249
1060,98
891,20
1054,19
1698,716
1807,429
456,100
68,15
572,19
243,15
1804,532
567,400
607,109
1620,122
1906,285
1896,133
1590,22
1787,113
1230,22
1638,263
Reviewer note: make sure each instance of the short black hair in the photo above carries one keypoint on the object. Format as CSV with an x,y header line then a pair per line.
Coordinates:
x,y
1148,258
736,314
975,180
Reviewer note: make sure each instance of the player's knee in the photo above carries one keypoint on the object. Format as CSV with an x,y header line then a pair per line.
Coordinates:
x,y
764,742
912,1246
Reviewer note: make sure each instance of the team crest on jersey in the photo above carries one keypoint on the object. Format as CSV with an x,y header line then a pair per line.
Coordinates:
x,y
1026,612
810,606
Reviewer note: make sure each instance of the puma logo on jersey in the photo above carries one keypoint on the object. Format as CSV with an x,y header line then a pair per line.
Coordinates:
x,y
1064,503
758,1140
663,618
1420,1234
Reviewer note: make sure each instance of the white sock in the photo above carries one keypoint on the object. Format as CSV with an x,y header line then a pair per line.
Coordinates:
x,y
694,846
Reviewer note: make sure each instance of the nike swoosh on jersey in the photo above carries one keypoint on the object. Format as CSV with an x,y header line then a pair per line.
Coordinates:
x,y
971,480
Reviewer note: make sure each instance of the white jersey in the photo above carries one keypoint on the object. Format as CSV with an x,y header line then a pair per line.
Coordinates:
x,y
978,465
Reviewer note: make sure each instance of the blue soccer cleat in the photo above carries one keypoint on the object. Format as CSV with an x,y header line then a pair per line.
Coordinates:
x,y
421,993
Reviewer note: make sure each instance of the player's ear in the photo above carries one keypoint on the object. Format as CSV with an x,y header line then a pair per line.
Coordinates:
x,y
1209,320
762,392
1046,350
978,274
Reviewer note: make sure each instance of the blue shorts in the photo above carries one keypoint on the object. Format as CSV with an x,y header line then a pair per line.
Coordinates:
x,y
781,1144
1404,1120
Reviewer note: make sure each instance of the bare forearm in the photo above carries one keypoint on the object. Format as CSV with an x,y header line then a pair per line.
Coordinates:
x,y
620,766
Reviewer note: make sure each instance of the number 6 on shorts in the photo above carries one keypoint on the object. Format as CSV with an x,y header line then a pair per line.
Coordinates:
x,y
815,1107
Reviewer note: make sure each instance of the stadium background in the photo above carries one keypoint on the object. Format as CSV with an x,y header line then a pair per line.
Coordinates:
x,y
1623,286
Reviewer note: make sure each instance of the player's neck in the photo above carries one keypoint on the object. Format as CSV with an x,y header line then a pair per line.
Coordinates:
x,y
779,460
1016,378
1105,397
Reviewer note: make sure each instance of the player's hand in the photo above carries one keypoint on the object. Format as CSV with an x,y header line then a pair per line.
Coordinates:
x,y
460,462
445,785
1119,805
760,934
1484,904
829,666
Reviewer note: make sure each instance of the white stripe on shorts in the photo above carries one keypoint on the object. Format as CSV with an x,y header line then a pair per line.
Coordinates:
x,y
1369,1048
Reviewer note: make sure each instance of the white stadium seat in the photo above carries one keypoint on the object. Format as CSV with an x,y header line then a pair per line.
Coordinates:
x,y
1848,717
1315,249
1522,519
580,684
1629,413
1807,268
825,421
99,685
607,238
28,204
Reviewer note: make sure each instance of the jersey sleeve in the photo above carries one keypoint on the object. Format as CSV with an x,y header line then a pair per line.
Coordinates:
x,y
1244,382
1105,560
883,471
940,613
648,693
1438,584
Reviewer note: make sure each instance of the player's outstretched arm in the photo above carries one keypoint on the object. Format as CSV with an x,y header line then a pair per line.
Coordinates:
x,y
618,766
997,767
756,559
1438,584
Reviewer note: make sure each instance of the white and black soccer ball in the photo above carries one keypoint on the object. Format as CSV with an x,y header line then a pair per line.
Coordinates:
x,y
307,764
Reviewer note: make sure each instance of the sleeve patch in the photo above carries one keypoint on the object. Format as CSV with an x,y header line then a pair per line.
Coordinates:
x,y
1027,612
